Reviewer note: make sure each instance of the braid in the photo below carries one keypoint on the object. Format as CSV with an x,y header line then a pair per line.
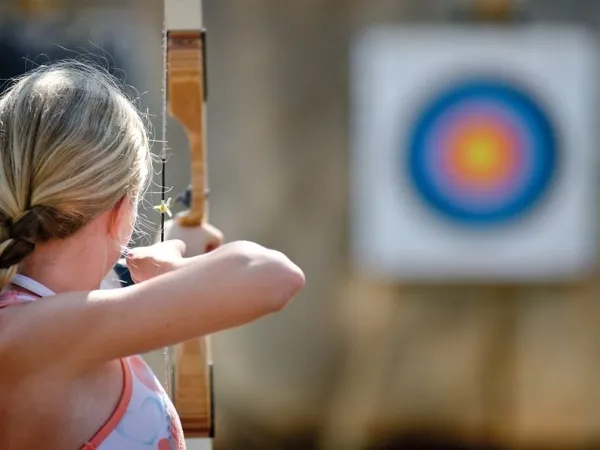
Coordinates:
x,y
37,224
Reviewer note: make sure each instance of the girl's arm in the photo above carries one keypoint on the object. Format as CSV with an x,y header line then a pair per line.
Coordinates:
x,y
230,286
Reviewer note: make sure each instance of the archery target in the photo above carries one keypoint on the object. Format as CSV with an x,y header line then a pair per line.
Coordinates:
x,y
482,152
473,153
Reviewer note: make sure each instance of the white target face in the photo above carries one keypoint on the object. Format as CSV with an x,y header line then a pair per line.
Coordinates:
x,y
473,153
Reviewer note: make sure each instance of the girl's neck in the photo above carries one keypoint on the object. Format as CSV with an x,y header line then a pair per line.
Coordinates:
x,y
69,265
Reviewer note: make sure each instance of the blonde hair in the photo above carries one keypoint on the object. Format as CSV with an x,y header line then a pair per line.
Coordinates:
x,y
71,146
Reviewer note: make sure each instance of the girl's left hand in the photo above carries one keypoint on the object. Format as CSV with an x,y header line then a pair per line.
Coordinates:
x,y
145,263
198,240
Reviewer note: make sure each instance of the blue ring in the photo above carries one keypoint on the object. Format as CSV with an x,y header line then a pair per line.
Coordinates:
x,y
522,107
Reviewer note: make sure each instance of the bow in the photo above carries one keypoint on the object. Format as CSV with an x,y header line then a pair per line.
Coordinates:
x,y
186,99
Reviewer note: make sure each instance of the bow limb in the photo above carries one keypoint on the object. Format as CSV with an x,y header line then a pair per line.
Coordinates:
x,y
186,98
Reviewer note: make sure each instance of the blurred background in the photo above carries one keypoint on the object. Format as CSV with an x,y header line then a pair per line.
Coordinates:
x,y
430,164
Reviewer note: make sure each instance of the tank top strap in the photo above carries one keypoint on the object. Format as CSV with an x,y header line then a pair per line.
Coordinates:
x,y
31,285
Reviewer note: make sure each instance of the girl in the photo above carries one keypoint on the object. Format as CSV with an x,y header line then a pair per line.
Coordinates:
x,y
74,160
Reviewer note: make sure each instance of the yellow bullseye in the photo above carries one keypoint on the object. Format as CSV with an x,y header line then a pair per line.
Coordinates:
x,y
481,155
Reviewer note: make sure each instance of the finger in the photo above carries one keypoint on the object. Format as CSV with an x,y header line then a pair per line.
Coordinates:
x,y
178,245
138,252
214,234
130,259
213,243
213,240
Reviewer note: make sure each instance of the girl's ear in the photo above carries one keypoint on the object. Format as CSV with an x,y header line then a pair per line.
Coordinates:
x,y
118,214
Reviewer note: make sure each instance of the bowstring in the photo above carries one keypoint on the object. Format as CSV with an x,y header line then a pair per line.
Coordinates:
x,y
163,159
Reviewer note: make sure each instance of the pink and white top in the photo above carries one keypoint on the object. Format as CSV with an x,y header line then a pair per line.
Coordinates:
x,y
144,417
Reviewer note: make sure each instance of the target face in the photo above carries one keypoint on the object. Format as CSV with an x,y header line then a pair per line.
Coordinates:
x,y
482,152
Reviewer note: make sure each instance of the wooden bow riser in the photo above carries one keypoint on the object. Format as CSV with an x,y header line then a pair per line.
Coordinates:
x,y
192,393
186,95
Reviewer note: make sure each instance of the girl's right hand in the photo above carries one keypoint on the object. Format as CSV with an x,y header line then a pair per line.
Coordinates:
x,y
145,263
